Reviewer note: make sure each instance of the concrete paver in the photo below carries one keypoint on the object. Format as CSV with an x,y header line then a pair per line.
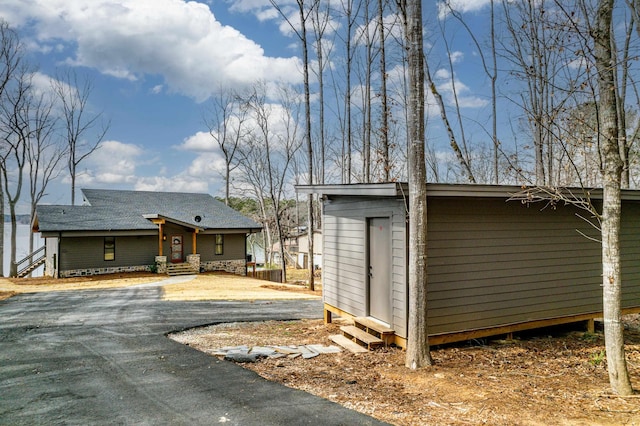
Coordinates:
x,y
102,357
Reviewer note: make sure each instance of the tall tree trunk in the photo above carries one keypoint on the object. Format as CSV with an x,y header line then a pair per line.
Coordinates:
x,y
307,135
418,354
384,130
494,99
611,210
347,97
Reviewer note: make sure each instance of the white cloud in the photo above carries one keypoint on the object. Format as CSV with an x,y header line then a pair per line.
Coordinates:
x,y
199,142
207,166
180,183
446,88
182,41
462,6
456,57
112,163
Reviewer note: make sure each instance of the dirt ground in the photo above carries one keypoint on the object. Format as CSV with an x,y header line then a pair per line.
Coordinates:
x,y
547,377
206,286
554,376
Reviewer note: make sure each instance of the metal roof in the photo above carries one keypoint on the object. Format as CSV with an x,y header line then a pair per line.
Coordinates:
x,y
401,189
110,210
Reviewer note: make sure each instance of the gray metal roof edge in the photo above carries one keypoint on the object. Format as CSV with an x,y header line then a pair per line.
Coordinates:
x,y
396,189
387,189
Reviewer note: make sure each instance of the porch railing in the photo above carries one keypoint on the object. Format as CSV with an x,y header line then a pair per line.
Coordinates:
x,y
30,262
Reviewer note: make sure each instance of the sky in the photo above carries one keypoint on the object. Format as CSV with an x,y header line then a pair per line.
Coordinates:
x,y
153,65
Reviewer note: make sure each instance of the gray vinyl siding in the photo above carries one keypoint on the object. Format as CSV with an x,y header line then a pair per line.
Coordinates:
x,y
51,253
88,252
493,263
345,255
630,254
234,247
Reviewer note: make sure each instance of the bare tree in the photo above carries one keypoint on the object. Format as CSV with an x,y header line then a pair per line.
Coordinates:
x,y
11,59
15,114
320,20
226,120
304,11
490,67
460,155
384,102
418,354
611,199
73,94
44,151
267,153
596,25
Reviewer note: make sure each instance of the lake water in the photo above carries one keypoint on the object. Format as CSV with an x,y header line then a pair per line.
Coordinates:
x,y
22,246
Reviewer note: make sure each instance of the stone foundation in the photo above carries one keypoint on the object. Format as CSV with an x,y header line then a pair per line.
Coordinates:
x,y
237,267
161,264
101,271
194,261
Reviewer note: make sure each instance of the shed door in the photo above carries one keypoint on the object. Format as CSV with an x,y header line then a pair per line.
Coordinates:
x,y
380,295
176,249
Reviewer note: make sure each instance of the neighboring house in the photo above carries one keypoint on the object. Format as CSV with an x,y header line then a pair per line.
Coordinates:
x,y
297,249
494,266
118,231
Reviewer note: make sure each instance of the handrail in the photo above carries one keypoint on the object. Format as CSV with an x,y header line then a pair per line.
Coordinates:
x,y
31,262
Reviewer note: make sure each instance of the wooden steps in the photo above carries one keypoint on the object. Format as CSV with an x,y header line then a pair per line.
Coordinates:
x,y
375,328
350,345
361,337
366,334
174,269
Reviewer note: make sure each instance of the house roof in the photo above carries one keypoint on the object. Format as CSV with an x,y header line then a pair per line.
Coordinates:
x,y
111,210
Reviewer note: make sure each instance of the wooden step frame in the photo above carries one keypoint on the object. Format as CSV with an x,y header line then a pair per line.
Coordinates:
x,y
345,342
361,337
372,326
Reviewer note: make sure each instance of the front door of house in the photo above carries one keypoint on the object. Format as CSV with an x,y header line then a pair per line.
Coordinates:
x,y
379,268
176,249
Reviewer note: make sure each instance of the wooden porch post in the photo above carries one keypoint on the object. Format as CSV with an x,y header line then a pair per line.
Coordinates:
x,y
193,242
160,233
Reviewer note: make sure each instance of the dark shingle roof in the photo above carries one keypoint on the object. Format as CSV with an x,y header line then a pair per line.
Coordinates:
x,y
106,209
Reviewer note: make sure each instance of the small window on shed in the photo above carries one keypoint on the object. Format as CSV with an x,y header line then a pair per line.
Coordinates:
x,y
109,248
219,244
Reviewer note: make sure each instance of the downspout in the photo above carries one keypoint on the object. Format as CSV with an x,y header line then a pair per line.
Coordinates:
x,y
57,262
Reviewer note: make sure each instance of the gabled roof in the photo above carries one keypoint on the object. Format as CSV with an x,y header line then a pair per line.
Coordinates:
x,y
110,210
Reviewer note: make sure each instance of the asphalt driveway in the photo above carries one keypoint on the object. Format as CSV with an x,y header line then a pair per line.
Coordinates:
x,y
102,357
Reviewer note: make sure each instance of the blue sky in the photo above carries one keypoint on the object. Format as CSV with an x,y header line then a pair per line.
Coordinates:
x,y
153,64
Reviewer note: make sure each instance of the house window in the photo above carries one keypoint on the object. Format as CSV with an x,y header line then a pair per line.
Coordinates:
x,y
109,248
219,244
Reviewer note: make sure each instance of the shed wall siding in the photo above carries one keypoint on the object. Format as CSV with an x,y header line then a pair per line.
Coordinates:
x,y
630,253
344,260
88,252
51,252
494,263
491,263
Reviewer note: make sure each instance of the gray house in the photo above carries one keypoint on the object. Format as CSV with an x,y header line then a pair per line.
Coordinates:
x,y
494,266
122,231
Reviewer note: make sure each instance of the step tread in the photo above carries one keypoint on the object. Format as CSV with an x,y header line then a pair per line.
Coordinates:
x,y
360,334
374,325
349,345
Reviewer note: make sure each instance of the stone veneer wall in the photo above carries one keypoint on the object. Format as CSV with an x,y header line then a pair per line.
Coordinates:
x,y
101,271
238,267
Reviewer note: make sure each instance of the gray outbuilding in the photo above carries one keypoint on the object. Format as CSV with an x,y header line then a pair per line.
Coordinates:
x,y
494,265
